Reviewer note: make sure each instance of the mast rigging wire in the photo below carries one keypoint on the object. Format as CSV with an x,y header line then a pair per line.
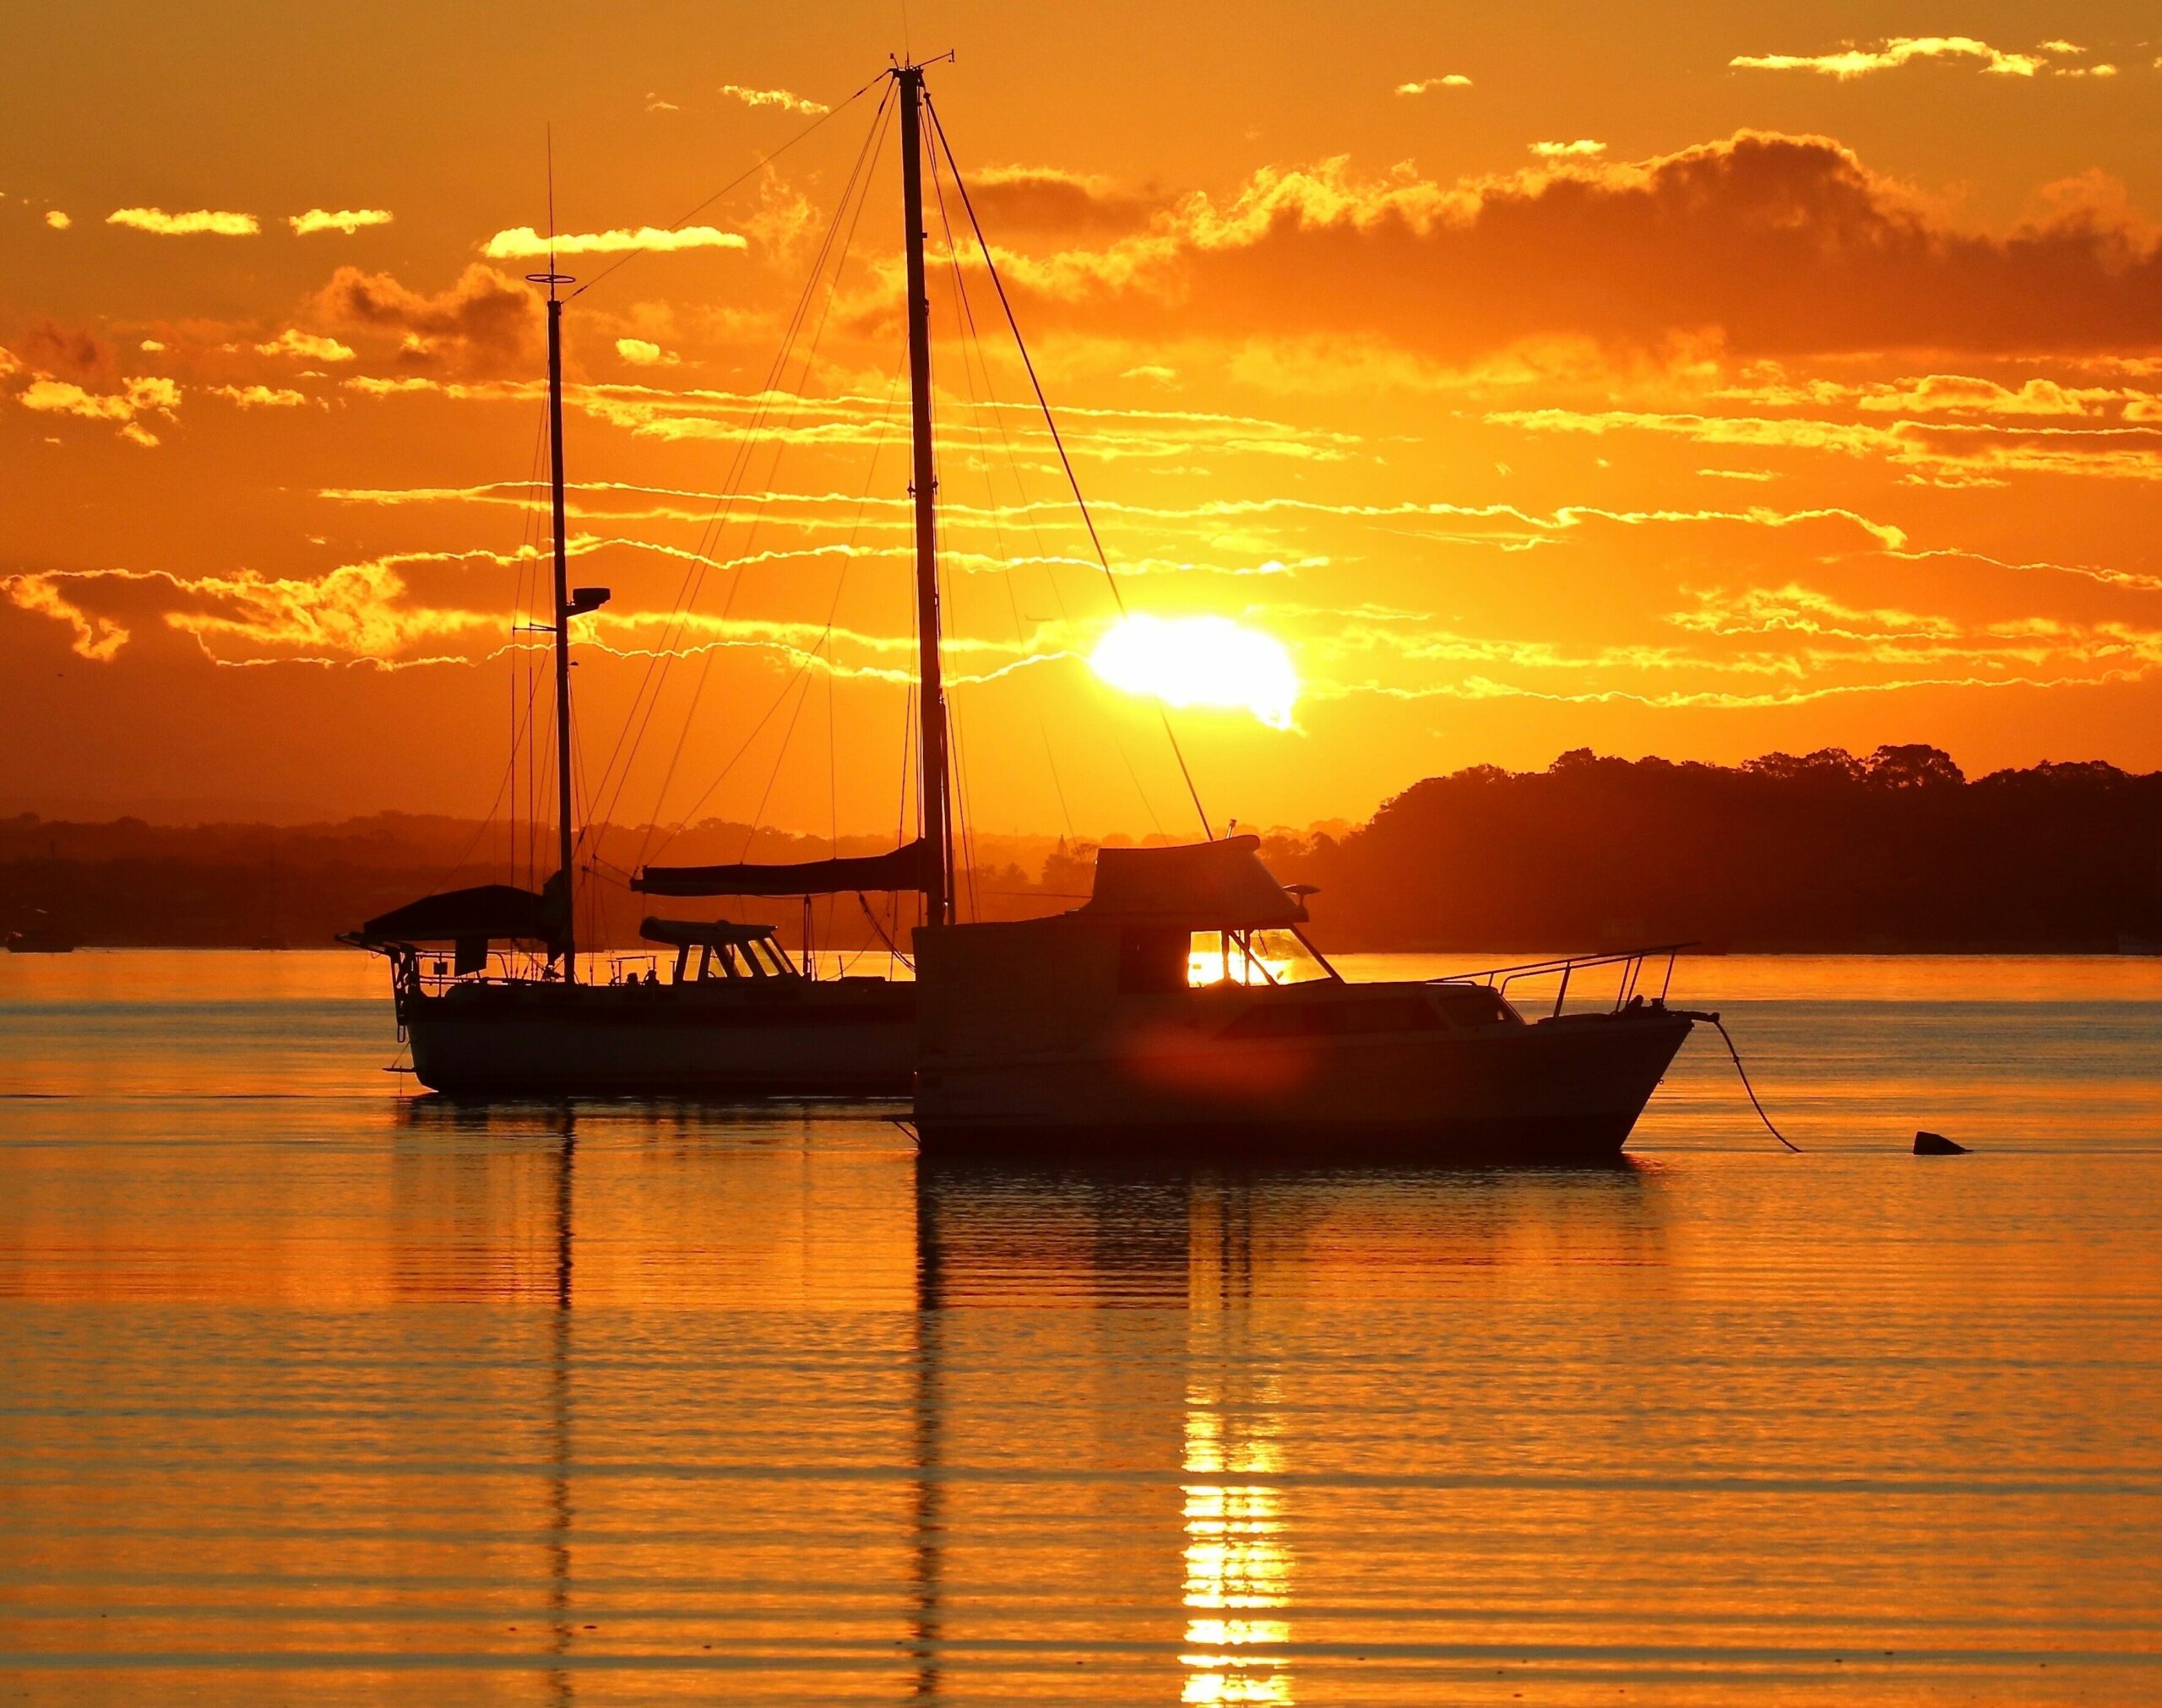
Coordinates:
x,y
1043,402
636,721
639,715
966,317
733,183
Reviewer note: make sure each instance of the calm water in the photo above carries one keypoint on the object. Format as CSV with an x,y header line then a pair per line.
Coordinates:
x,y
314,1391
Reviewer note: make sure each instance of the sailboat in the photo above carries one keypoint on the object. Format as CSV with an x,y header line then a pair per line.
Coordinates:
x,y
743,1019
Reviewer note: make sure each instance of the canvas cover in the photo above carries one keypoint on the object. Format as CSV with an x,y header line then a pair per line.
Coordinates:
x,y
485,911
1205,885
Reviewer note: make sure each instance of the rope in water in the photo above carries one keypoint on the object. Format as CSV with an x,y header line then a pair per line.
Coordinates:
x,y
1746,1085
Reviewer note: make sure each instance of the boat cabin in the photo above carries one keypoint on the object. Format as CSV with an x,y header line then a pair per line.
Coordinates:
x,y
1199,938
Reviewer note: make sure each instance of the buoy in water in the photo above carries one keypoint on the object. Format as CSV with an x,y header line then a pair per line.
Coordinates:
x,y
1928,1144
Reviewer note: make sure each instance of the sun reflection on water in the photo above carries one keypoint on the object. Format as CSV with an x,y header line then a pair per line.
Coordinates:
x,y
1237,1566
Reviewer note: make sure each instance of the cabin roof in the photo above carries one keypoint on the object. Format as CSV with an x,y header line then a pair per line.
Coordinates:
x,y
1204,886
701,934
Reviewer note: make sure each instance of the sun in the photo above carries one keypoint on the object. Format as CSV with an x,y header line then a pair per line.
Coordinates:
x,y
1200,661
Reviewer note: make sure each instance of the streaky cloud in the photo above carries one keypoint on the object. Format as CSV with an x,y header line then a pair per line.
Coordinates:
x,y
522,242
345,219
787,99
1850,61
203,222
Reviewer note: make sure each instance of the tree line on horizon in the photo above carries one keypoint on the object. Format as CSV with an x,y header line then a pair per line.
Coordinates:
x,y
1825,851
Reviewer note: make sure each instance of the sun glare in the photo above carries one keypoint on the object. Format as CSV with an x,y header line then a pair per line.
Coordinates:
x,y
1200,661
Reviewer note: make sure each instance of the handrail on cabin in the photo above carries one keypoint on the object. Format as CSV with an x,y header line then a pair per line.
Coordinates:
x,y
1499,979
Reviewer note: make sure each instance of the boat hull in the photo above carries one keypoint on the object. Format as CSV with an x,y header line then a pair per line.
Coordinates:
x,y
1561,1091
814,1040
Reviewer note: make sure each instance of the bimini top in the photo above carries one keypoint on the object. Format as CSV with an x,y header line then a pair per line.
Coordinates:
x,y
1204,886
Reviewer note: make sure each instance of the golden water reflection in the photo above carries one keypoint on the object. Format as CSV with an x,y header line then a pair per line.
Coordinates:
x,y
1238,1567
356,1399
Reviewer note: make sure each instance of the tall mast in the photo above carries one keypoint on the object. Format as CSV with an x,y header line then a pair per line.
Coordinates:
x,y
938,831
563,611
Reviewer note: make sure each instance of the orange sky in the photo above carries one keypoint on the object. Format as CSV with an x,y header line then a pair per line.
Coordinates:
x,y
1541,379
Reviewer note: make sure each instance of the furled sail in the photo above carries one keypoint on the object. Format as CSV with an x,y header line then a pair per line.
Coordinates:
x,y
908,867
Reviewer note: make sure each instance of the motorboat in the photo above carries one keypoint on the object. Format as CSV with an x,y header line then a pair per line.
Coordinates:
x,y
1181,1013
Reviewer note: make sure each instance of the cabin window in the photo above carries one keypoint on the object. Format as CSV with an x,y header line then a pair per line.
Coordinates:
x,y
1472,1005
1250,958
1152,960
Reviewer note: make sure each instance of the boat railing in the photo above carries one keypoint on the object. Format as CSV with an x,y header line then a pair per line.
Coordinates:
x,y
1633,980
430,974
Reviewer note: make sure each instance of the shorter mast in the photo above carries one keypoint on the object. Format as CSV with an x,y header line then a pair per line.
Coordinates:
x,y
564,836
937,817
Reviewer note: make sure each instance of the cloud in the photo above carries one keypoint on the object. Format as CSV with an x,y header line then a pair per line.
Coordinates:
x,y
485,322
357,611
306,346
654,103
1040,200
96,638
345,219
781,98
525,242
260,397
202,222
1758,244
1887,54
1961,394
58,220
50,348
1455,79
1942,453
147,395
1583,149
643,353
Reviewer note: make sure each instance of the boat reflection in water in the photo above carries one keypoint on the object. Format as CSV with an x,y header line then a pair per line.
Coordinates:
x,y
1214,1420
1083,1036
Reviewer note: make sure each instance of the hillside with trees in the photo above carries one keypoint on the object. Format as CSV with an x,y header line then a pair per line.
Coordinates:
x,y
1824,852
1898,851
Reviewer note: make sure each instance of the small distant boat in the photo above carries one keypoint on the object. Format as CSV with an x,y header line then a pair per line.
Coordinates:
x,y
44,938
1084,1037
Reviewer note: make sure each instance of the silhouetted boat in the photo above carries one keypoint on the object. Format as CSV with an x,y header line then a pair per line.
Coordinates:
x,y
749,1020
39,940
1084,1037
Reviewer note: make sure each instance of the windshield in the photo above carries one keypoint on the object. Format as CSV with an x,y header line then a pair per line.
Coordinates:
x,y
1250,958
